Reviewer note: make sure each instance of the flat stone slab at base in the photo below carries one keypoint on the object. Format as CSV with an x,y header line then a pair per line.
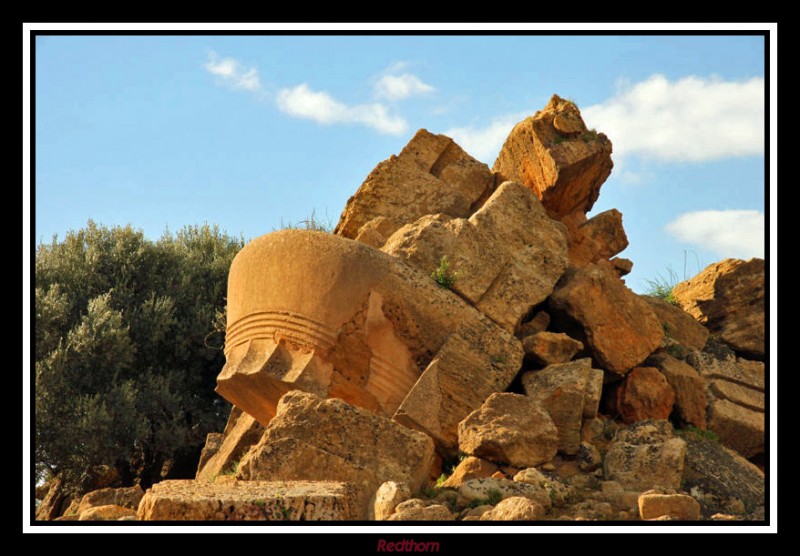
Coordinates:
x,y
249,501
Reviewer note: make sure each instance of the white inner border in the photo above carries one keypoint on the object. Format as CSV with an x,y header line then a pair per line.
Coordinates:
x,y
377,528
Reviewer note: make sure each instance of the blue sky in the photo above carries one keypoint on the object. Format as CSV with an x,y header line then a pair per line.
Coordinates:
x,y
252,132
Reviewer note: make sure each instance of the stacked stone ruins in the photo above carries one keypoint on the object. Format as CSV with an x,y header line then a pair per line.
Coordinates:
x,y
532,384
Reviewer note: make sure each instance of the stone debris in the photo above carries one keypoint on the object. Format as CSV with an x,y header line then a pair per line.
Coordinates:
x,y
305,441
570,392
249,501
509,428
646,455
404,367
654,504
557,157
728,298
618,326
645,393
548,348
735,396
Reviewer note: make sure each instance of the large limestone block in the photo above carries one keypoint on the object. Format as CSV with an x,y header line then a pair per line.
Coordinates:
x,y
598,238
735,396
728,298
125,497
507,256
737,426
249,501
312,438
646,455
387,498
210,448
619,327
688,385
557,157
570,392
718,363
645,393
548,348
509,428
242,432
678,324
470,468
434,512
109,512
717,475
431,175
50,508
468,369
331,316
654,504
516,508
292,459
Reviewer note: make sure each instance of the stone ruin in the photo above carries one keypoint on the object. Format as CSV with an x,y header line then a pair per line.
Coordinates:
x,y
357,379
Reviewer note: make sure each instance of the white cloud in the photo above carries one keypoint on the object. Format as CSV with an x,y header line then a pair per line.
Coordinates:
x,y
485,142
302,102
691,119
398,87
230,71
729,233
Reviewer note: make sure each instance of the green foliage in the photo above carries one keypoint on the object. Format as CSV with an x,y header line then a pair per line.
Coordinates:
x,y
677,351
590,135
558,139
311,222
691,430
429,492
231,472
662,286
493,497
125,354
443,276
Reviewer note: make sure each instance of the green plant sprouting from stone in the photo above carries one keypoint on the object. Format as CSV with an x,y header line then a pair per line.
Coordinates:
x,y
692,430
662,286
443,276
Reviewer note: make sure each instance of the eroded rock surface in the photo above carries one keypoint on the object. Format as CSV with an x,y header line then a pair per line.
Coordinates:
x,y
337,318
570,392
431,175
619,327
509,428
736,397
646,455
312,438
248,501
728,298
557,157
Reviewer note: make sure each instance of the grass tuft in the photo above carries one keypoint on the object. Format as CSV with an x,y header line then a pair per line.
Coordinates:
x,y
493,497
590,135
312,222
692,430
662,286
443,276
